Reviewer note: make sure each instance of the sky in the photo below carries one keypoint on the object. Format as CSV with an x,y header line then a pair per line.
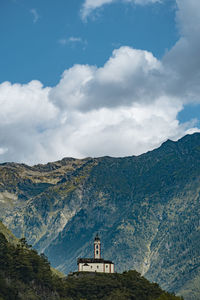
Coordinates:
x,y
83,78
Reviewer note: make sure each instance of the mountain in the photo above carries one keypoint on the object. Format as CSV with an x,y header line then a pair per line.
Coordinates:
x,y
145,208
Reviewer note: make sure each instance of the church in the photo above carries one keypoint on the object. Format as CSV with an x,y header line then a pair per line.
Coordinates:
x,y
96,264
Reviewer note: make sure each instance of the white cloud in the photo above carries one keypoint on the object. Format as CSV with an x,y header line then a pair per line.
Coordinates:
x,y
128,106
119,109
90,5
35,15
25,114
126,78
183,59
72,41
3,150
125,131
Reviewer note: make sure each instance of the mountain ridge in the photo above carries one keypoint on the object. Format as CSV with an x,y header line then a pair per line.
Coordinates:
x,y
143,206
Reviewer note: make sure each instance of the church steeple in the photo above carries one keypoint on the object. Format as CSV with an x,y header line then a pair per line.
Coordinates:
x,y
96,264
97,247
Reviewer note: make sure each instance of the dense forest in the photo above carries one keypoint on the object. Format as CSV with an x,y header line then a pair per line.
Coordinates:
x,y
26,275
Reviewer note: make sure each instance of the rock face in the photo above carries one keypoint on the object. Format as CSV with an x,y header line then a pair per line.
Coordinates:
x,y
145,208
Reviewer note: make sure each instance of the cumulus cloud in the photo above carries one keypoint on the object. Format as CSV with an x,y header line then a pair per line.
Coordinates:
x,y
119,109
183,59
128,106
90,5
25,114
129,76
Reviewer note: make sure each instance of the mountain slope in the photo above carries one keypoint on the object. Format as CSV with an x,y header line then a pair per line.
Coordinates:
x,y
145,208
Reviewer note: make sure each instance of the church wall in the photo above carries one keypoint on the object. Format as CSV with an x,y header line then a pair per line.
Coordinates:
x,y
109,268
112,268
96,267
92,267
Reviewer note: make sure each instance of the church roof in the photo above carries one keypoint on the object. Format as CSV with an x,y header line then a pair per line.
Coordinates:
x,y
97,237
93,260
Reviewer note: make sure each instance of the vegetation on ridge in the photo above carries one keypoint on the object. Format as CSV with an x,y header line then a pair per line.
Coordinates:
x,y
25,275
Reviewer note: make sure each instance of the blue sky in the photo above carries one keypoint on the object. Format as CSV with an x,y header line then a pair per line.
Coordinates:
x,y
35,35
96,77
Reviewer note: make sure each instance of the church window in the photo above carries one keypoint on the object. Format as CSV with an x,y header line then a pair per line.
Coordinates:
x,y
97,252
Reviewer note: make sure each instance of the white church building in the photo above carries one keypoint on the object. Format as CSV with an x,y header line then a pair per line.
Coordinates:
x,y
96,264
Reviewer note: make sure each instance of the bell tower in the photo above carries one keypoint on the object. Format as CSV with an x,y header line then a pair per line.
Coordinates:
x,y
97,247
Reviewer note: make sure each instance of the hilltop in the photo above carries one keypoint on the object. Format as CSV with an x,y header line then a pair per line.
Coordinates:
x,y
26,275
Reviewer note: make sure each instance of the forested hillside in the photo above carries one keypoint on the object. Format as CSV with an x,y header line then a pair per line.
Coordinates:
x,y
26,275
